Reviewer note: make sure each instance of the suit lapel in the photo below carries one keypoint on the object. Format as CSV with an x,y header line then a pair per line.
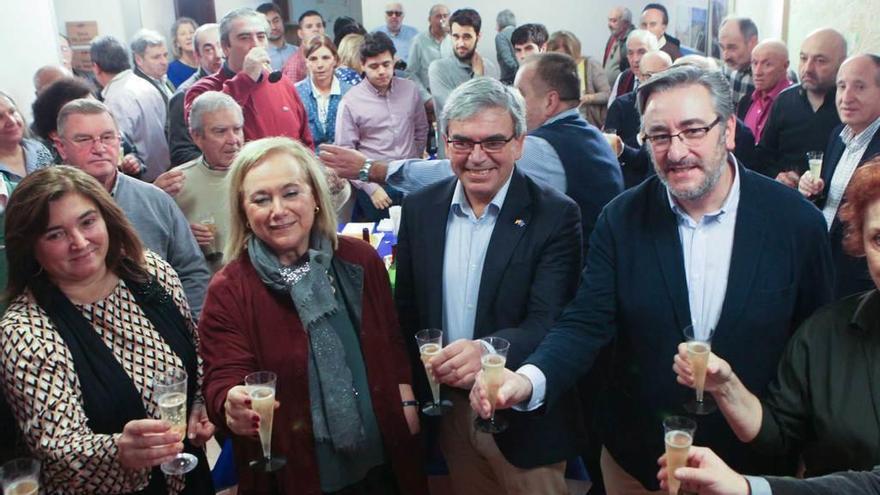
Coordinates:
x,y
434,246
667,245
748,241
511,224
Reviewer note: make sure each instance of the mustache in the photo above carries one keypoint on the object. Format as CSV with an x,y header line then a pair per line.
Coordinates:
x,y
684,163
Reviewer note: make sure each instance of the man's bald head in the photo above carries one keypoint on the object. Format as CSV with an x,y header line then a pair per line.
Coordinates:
x,y
858,91
48,74
652,63
822,52
769,64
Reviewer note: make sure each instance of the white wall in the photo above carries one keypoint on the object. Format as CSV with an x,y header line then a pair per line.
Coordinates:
x,y
221,7
29,37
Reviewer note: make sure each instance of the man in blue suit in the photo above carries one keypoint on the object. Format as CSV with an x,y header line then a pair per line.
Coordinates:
x,y
705,242
489,252
852,144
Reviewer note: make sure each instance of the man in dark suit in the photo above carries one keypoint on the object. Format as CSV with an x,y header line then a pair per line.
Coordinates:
x,y
852,144
706,243
489,252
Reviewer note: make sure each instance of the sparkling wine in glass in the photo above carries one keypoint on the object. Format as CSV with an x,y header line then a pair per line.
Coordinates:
x,y
430,342
261,387
814,158
20,477
678,434
494,357
170,390
699,346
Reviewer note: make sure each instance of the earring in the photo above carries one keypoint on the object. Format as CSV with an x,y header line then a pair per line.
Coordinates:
x,y
247,225
317,209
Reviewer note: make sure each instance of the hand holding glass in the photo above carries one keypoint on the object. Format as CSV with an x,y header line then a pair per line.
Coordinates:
x,y
170,390
678,435
699,346
20,477
814,158
494,357
261,388
430,342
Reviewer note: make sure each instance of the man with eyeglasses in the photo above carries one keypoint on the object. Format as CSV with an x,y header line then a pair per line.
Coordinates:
x,y
88,139
489,252
401,34
705,243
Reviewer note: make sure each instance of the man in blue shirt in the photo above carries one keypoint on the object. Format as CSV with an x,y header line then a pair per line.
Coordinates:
x,y
489,252
401,34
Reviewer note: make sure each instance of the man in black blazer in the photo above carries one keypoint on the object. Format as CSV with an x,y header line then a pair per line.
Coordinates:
x,y
852,144
489,253
705,242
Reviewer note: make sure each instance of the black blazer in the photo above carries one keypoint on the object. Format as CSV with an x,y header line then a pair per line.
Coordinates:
x,y
624,117
851,274
529,275
634,293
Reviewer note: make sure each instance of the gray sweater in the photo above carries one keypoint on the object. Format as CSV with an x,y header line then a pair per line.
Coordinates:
x,y
164,230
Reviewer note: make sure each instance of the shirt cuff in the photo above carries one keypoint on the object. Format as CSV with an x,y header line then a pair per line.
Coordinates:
x,y
393,167
758,485
539,387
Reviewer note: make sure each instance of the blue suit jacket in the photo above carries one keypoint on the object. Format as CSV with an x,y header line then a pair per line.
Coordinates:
x,y
634,295
851,274
529,275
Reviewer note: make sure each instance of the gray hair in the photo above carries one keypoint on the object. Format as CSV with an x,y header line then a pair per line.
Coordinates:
x,y
626,15
687,75
145,38
645,37
484,93
435,7
109,54
82,106
210,102
747,27
236,14
200,31
506,18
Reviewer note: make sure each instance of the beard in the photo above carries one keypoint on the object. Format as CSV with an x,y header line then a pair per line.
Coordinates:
x,y
467,56
712,168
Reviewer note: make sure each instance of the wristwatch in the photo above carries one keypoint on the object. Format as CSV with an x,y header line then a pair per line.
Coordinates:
x,y
364,173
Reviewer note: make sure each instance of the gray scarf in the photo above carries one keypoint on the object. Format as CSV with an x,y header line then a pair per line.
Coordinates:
x,y
335,413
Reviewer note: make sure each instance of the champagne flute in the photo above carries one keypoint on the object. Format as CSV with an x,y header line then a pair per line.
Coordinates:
x,y
170,390
814,158
20,477
494,357
430,342
678,435
261,387
699,346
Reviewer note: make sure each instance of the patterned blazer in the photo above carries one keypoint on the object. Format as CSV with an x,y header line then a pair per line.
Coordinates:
x,y
327,132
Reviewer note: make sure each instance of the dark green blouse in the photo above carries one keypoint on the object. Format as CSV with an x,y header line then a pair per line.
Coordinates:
x,y
825,401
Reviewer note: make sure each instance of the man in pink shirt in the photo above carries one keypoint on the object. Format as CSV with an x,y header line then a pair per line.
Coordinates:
x,y
769,73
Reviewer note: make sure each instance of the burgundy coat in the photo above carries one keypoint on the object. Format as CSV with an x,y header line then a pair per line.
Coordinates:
x,y
246,327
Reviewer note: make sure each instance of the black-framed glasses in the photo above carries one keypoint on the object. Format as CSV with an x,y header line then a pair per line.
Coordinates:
x,y
108,139
690,137
391,13
492,145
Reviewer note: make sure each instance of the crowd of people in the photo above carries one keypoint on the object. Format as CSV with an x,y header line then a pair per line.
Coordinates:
x,y
588,211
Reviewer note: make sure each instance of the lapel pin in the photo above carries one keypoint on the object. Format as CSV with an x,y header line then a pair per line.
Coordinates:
x,y
519,222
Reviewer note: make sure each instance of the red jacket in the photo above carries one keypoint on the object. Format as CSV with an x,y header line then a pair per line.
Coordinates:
x,y
270,109
246,327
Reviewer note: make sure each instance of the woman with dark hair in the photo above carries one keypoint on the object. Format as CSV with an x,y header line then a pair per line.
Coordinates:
x,y
343,26
825,401
93,320
322,90
184,65
316,309
19,154
46,107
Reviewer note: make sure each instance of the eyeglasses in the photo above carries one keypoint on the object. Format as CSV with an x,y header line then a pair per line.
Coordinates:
x,y
392,13
492,145
690,137
108,139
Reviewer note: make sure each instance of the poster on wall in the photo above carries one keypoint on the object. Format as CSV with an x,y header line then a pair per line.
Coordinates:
x,y
694,27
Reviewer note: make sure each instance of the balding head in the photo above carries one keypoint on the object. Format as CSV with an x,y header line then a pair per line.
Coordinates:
x,y
619,20
858,91
822,52
652,63
394,16
700,61
769,64
48,74
737,37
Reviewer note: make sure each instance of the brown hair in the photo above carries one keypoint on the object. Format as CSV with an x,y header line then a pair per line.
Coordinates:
x,y
317,42
565,42
27,216
863,191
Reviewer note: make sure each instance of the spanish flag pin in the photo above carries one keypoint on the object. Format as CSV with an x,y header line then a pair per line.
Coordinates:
x,y
519,222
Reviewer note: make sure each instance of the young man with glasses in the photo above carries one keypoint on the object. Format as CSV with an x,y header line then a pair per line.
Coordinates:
x,y
401,34
489,252
705,242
